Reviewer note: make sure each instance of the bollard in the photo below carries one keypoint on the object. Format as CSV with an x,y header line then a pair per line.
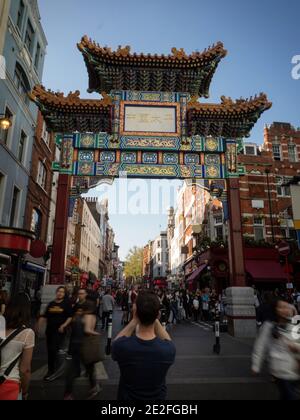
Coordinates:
x,y
217,346
164,318
109,334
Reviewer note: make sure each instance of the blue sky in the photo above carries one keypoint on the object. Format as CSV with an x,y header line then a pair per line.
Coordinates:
x,y
261,38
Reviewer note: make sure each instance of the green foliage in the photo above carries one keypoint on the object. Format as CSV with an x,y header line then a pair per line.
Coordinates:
x,y
134,264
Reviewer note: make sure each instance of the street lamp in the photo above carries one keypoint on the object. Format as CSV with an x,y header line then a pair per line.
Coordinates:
x,y
5,123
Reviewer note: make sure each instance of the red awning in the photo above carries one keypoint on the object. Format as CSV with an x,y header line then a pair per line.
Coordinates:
x,y
265,270
196,273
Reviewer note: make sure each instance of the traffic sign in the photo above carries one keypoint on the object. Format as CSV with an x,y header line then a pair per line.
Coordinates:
x,y
284,249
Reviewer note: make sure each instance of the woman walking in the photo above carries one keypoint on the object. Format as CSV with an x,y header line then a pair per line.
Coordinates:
x,y
274,345
16,351
91,350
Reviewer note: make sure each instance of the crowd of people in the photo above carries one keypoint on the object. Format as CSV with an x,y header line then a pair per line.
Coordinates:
x,y
72,321
177,306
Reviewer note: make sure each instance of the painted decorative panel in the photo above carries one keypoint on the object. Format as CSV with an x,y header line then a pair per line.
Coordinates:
x,y
212,159
67,151
128,157
87,141
212,171
191,159
170,158
150,158
108,157
158,143
211,144
85,168
86,156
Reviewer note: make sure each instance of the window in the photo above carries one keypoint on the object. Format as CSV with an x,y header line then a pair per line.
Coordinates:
x,y
158,244
219,232
259,229
292,152
21,82
37,56
45,135
14,207
20,15
36,223
250,150
282,190
158,257
219,220
22,145
4,134
29,36
277,151
42,175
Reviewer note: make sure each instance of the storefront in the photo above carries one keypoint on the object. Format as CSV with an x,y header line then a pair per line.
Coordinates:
x,y
264,270
14,245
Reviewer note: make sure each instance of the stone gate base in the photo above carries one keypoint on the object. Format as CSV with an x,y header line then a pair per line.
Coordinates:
x,y
240,310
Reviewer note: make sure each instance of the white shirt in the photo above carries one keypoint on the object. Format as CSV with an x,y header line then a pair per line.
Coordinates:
x,y
23,341
196,304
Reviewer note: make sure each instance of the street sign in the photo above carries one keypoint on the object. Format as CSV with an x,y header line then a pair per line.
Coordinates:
x,y
284,249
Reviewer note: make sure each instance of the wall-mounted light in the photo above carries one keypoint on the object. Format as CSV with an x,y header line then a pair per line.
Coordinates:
x,y
5,123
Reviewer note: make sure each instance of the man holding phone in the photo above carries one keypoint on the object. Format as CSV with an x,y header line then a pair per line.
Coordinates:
x,y
144,358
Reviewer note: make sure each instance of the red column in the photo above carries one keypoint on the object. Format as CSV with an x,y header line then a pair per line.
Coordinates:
x,y
57,274
236,249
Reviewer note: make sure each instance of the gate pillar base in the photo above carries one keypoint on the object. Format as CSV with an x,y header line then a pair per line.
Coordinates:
x,y
240,311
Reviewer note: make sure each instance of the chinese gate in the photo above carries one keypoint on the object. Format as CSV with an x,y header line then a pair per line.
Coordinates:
x,y
149,124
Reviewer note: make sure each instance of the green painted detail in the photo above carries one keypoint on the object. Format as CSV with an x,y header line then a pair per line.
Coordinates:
x,y
240,145
59,139
241,170
56,166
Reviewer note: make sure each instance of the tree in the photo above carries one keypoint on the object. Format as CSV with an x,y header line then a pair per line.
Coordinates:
x,y
134,264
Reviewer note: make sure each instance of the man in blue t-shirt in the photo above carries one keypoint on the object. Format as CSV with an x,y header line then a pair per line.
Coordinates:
x,y
144,358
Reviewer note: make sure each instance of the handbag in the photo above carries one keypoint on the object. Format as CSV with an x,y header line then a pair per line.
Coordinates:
x,y
91,350
4,343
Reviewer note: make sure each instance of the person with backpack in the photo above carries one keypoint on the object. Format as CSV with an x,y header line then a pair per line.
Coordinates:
x,y
16,351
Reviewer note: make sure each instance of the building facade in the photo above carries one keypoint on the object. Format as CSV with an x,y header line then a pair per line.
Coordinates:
x,y
38,201
24,52
4,13
147,261
160,256
266,211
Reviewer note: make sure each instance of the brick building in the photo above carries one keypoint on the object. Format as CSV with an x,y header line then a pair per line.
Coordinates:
x,y
38,202
40,182
266,211
265,197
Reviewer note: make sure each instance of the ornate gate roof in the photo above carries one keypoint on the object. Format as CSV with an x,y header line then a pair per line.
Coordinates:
x,y
178,72
71,113
229,119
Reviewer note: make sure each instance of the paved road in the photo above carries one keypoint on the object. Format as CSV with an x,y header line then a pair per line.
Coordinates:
x,y
198,374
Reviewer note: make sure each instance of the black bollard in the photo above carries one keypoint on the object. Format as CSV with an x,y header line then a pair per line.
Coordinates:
x,y
164,318
109,334
217,346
